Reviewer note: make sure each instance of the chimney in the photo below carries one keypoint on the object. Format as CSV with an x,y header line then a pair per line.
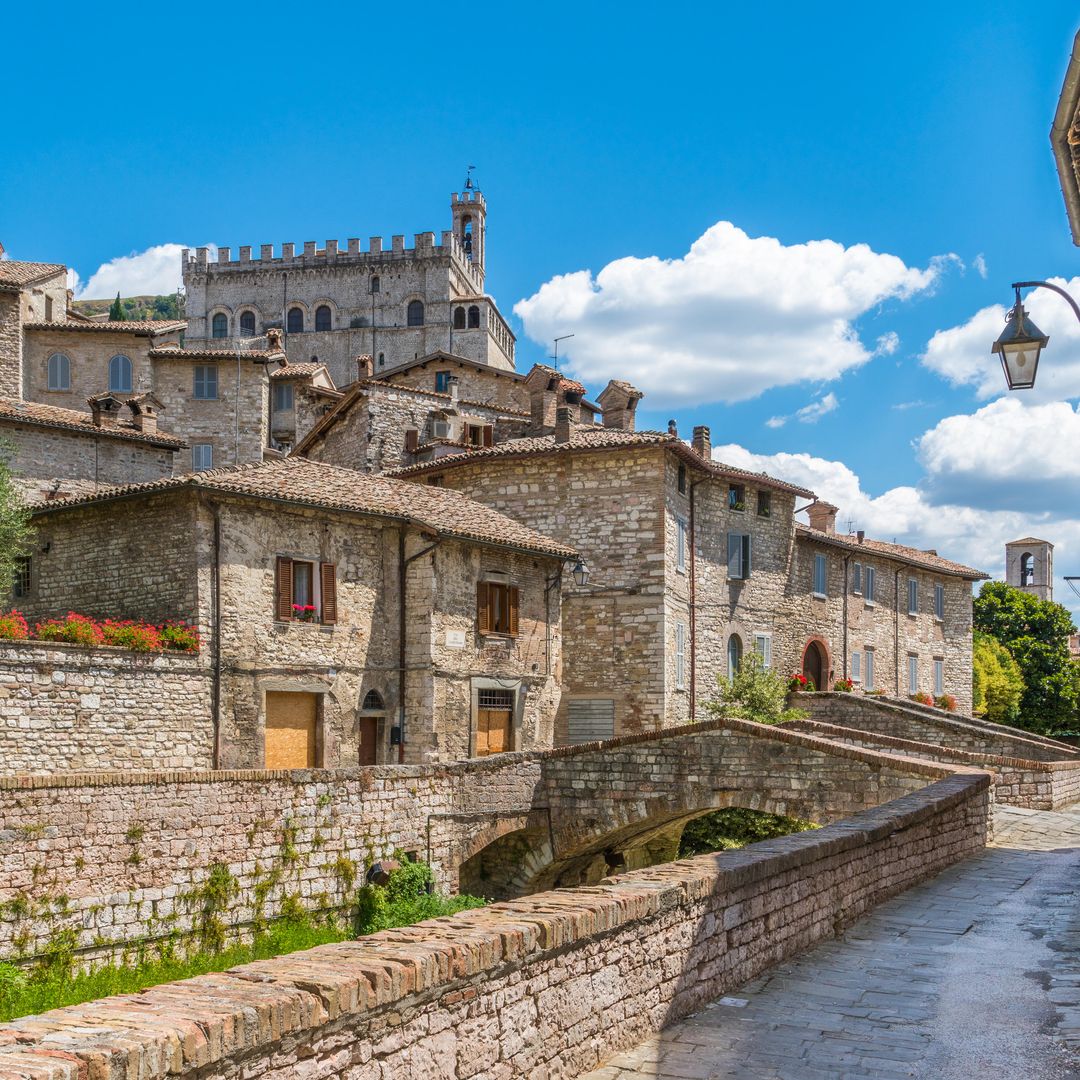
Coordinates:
x,y
104,410
144,413
823,517
618,400
702,441
542,404
454,387
860,536
273,339
673,428
572,401
563,424
365,367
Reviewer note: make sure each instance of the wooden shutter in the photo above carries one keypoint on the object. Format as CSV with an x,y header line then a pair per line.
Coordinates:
x,y
489,435
412,440
283,600
483,608
734,555
512,608
746,569
328,581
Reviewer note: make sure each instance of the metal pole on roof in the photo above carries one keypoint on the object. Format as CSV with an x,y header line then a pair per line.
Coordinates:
x,y
555,356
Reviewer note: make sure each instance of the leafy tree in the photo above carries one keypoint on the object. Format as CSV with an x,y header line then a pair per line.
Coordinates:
x,y
998,683
1036,633
754,693
14,523
116,312
735,827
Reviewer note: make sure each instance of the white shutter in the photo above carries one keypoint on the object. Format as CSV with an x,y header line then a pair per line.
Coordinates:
x,y
856,667
590,720
680,656
868,677
734,555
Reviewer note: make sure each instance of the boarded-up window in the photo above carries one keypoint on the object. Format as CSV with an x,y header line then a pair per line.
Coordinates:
x,y
412,440
497,609
590,720
290,730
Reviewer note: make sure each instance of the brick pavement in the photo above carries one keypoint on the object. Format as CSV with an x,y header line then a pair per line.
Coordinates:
x,y
976,972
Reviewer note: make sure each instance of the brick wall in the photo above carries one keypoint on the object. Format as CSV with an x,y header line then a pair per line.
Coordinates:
x,y
65,707
547,985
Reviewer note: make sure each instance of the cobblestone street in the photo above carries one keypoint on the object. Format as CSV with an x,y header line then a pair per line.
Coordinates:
x,y
975,973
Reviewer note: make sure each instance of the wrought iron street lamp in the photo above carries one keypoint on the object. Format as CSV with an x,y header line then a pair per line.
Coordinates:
x,y
1021,342
581,573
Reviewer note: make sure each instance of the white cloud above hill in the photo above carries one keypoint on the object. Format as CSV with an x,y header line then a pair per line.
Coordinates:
x,y
153,272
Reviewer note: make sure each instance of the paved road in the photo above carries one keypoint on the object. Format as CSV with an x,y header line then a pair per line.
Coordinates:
x,y
974,974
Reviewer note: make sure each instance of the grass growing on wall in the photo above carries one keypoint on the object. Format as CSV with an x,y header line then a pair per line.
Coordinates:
x,y
403,901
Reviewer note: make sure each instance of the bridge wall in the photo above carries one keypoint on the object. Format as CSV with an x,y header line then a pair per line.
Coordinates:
x,y
547,985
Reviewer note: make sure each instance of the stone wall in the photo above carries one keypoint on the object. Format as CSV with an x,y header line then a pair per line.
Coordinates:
x,y
66,707
550,985
499,388
10,346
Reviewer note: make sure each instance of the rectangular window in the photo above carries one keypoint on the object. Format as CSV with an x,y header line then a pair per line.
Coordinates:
x,y
913,596
738,555
23,577
939,601
496,609
736,497
763,648
442,382
913,674
764,504
680,545
590,720
821,575
283,396
680,656
868,672
939,677
202,456
869,581
856,667
480,435
305,591
206,382
856,578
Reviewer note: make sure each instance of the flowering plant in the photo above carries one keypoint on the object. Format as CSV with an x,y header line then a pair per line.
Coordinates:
x,y
142,637
922,698
946,702
73,628
845,686
179,636
798,681
13,626
304,612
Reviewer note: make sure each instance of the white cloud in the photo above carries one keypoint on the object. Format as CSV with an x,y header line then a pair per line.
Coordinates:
x,y
887,344
153,272
903,406
812,413
776,421
962,354
733,317
979,262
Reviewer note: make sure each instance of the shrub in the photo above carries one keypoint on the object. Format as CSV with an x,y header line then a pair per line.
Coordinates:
x,y
406,899
735,827
179,636
845,686
74,629
13,627
142,637
754,693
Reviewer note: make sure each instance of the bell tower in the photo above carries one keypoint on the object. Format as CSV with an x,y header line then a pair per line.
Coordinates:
x,y
1029,565
469,211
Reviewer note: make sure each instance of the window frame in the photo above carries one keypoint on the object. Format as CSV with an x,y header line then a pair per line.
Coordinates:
x,y
214,322
744,544
329,319
856,666
736,498
913,596
206,447
869,585
765,650
473,317
64,384
244,331
734,643
324,589
414,313
764,504
680,544
128,370
913,673
204,379
442,382
508,627
22,578
680,479
856,578
821,562
680,656
283,388
939,676
299,313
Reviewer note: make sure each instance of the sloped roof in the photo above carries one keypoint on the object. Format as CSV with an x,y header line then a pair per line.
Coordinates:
x,y
1029,540
52,416
166,352
926,560
439,356
17,275
297,371
588,438
140,327
1065,139
310,483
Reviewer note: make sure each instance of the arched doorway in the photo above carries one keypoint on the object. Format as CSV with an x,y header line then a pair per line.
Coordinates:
x,y
372,715
815,665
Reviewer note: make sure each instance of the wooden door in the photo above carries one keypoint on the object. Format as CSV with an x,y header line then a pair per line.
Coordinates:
x,y
813,664
493,728
290,730
369,740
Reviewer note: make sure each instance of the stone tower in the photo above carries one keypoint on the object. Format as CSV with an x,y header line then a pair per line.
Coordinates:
x,y
1029,565
469,211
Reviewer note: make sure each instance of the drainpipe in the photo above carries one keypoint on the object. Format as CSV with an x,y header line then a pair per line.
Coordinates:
x,y
847,559
215,634
403,566
896,629
693,601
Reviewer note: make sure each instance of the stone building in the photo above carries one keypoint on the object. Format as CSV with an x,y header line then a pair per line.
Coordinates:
x,y
29,291
1029,565
334,303
345,618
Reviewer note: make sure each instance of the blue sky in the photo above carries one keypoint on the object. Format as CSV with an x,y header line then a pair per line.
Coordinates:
x,y
907,147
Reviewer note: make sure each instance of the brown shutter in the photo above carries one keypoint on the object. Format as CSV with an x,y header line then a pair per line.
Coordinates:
x,y
412,440
489,435
483,608
328,580
283,600
512,605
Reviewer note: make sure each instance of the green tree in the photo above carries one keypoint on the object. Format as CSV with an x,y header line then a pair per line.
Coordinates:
x,y
14,523
997,680
116,311
1036,633
754,693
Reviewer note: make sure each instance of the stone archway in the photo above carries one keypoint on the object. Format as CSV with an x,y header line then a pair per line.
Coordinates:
x,y
815,664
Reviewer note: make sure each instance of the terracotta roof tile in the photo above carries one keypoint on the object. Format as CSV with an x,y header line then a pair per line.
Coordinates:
x,y
16,275
589,438
311,483
142,327
297,371
926,560
30,412
164,352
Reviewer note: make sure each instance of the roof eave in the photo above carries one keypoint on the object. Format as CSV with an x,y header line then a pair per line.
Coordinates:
x,y
1059,140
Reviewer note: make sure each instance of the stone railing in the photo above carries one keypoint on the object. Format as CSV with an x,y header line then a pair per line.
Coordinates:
x,y
548,985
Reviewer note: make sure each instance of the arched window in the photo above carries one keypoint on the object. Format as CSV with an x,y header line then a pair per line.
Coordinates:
x,y
59,372
294,323
467,236
322,317
474,317
373,702
1027,569
247,324
374,283
382,359
734,654
459,318
119,375
220,325
415,314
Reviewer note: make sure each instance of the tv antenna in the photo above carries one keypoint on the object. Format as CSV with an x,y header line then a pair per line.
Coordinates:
x,y
555,354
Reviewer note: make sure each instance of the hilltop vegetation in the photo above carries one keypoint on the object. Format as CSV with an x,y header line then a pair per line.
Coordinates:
x,y
136,308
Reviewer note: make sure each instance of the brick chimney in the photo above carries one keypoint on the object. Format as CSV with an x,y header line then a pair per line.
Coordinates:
x,y
453,385
541,384
365,367
702,442
618,400
823,517
273,339
144,412
105,410
564,424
